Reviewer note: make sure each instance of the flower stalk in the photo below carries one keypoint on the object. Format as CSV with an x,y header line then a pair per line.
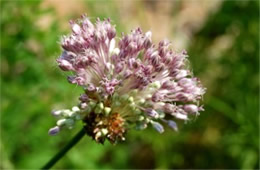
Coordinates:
x,y
62,152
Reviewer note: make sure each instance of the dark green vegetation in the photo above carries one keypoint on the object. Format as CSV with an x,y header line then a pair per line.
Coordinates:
x,y
224,53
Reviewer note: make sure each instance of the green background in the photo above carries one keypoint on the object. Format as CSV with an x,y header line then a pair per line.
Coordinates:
x,y
225,135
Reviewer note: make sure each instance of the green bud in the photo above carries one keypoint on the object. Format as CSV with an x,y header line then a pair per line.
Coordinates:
x,y
130,99
98,110
100,105
92,104
100,123
75,109
107,110
161,104
156,84
104,131
151,88
132,106
147,120
61,122
148,96
66,113
125,97
72,114
98,135
161,114
141,101
138,111
140,118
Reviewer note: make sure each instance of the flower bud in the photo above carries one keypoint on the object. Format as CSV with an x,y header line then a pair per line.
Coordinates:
x,y
61,122
107,110
76,28
157,97
118,67
83,98
191,108
181,116
181,74
66,113
75,109
172,125
130,99
147,41
98,135
83,105
169,108
111,32
104,131
76,80
152,113
142,101
54,131
186,82
157,126
65,65
91,88
98,110
56,112
141,125
100,105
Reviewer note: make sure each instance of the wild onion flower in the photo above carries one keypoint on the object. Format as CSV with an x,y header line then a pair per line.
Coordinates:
x,y
132,85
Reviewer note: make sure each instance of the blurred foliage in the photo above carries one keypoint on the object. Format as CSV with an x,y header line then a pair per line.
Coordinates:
x,y
224,53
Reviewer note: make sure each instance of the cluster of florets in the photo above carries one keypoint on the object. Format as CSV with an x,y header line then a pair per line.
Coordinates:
x,y
132,85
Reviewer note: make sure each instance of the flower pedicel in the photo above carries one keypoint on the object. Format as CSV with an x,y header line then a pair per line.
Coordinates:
x,y
131,85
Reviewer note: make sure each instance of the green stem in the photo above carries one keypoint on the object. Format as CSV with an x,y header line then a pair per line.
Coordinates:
x,y
62,152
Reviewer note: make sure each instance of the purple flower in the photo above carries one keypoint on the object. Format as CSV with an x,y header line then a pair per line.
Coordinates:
x,y
128,82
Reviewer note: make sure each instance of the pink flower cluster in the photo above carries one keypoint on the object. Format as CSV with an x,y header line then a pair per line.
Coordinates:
x,y
132,80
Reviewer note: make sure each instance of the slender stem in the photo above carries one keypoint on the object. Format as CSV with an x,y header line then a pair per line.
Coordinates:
x,y
62,152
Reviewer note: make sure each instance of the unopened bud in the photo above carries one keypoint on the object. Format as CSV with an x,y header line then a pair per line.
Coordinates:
x,y
100,105
66,113
92,104
172,125
107,110
75,109
157,126
98,134
54,131
76,28
191,108
104,131
61,122
130,99
56,112
65,65
98,110
152,113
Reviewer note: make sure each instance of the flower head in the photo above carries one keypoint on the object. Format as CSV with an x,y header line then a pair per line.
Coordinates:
x,y
133,84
